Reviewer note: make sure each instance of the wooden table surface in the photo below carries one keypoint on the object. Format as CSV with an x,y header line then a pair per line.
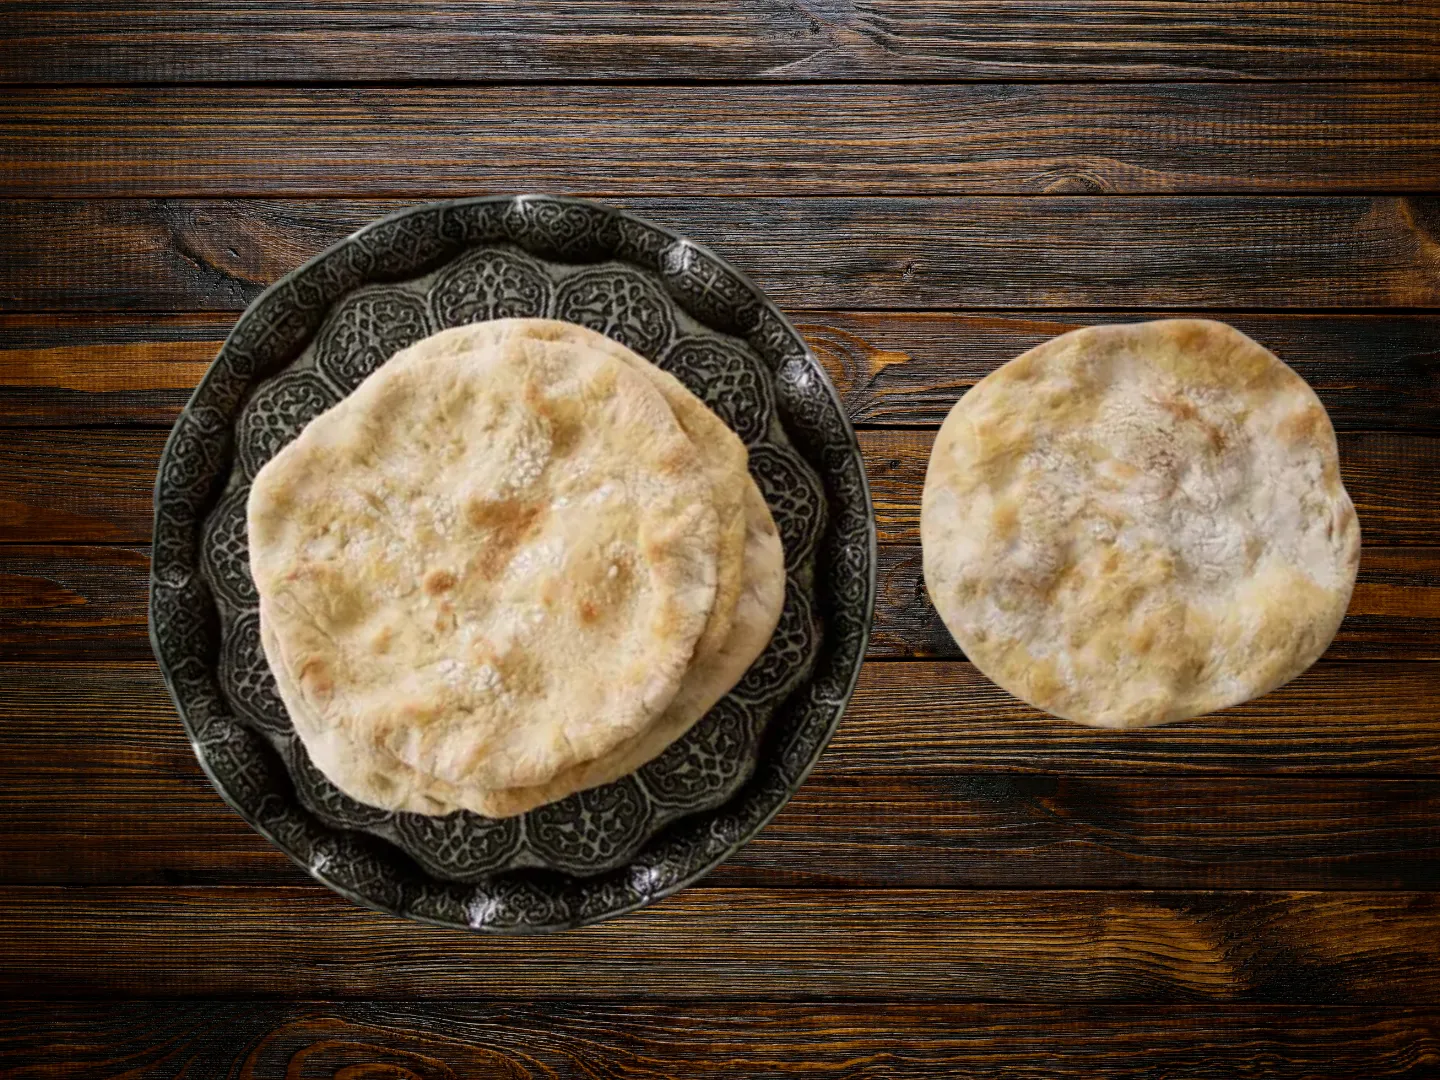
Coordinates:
x,y
964,887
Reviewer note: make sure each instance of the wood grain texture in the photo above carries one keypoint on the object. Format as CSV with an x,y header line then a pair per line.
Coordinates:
x,y
1018,881
916,718
482,40
1393,611
1006,139
708,944
95,484
87,485
70,602
918,790
906,719
140,813
149,1040
1373,372
1191,252
107,370
73,601
968,831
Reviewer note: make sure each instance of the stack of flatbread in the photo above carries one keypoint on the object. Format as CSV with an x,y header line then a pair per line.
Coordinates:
x,y
517,562
1129,525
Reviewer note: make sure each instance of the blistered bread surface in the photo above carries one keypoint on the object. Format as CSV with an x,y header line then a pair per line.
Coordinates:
x,y
1135,524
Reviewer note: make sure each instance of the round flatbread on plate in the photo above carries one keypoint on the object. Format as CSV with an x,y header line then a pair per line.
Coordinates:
x,y
486,563
335,478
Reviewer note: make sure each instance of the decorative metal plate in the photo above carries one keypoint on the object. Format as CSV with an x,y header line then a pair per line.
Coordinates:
x,y
591,831
311,338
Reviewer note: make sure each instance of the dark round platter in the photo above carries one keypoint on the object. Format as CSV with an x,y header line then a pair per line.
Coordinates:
x,y
310,339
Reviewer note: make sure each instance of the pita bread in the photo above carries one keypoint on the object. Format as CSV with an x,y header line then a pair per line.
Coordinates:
x,y
1130,525
761,599
722,455
488,566
402,788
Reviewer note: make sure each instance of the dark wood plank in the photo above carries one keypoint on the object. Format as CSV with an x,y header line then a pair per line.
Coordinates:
x,y
1004,139
1046,831
1376,372
139,812
709,944
87,485
1394,611
95,484
187,836
919,790
65,602
1373,372
1192,252
886,1041
73,602
1392,478
481,40
918,718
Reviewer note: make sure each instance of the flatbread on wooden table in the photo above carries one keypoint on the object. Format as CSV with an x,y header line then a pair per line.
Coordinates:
x,y
1130,525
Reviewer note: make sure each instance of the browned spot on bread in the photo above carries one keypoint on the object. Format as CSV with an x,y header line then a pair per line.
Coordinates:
x,y
410,716
521,673
1065,576
564,416
381,641
505,516
1302,426
506,522
566,427
1185,412
601,585
1043,680
381,782
437,581
1024,368
315,677
1143,640
603,384
1005,520
677,460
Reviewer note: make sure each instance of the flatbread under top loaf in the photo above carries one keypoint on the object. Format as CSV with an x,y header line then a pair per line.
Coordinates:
x,y
1130,525
487,566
